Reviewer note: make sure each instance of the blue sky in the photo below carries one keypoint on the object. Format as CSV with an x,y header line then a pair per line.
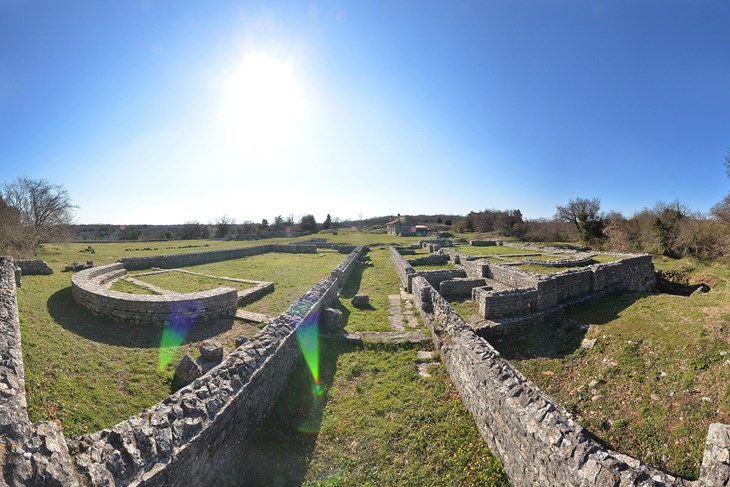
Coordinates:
x,y
165,112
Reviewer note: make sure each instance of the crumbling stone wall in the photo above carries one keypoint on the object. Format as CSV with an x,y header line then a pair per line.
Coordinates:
x,y
34,267
191,438
461,286
537,439
404,269
30,454
344,269
434,259
195,436
535,292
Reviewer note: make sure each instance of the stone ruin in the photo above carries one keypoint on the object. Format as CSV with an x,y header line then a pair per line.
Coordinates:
x,y
537,440
196,434
190,438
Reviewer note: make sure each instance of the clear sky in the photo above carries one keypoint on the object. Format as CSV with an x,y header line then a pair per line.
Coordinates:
x,y
170,111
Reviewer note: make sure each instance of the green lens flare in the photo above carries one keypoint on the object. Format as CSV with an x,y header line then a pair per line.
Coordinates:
x,y
308,337
181,316
171,339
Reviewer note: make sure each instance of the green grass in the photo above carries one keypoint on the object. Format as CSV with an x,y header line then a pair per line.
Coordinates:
x,y
378,423
292,275
656,377
465,306
377,282
125,286
89,372
493,250
180,282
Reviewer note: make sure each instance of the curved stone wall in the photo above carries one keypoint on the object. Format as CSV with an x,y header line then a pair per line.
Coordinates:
x,y
90,290
191,438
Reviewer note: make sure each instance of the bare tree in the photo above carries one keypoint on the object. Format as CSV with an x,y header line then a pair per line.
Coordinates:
x,y
584,214
223,225
44,209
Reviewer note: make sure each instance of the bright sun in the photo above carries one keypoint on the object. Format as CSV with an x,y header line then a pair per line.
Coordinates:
x,y
262,106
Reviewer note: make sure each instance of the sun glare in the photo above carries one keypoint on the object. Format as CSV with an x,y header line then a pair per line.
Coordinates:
x,y
262,106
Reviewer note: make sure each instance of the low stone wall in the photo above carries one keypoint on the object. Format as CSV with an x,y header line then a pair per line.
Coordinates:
x,y
255,293
535,292
460,286
436,277
345,249
191,438
443,242
435,259
34,267
89,290
405,250
196,435
194,258
482,243
344,269
537,439
578,260
501,304
510,276
30,454
403,268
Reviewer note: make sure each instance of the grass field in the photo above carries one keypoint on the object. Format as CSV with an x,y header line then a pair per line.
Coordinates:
x,y
89,372
379,422
657,375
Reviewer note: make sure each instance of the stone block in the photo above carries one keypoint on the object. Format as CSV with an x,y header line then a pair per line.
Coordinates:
x,y
361,300
332,319
211,351
187,371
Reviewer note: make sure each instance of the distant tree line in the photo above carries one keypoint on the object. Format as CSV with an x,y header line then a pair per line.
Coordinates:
x,y
670,229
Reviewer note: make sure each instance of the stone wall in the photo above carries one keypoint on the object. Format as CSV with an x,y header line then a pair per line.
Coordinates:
x,y
191,438
462,286
404,269
344,269
535,292
436,277
195,436
482,243
89,290
34,267
501,304
30,454
194,258
537,439
435,259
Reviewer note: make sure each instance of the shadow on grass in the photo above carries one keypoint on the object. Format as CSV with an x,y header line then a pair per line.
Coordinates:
x,y
279,452
352,286
561,334
64,311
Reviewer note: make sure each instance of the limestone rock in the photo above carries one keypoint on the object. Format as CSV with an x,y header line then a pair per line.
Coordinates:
x,y
361,300
332,319
240,341
211,351
187,371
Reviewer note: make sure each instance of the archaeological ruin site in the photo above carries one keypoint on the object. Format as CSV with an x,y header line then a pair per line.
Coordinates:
x,y
196,435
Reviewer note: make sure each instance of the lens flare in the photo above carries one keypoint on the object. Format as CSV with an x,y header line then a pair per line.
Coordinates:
x,y
181,316
308,337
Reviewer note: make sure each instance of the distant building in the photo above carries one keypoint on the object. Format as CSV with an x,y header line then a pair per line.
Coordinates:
x,y
403,227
